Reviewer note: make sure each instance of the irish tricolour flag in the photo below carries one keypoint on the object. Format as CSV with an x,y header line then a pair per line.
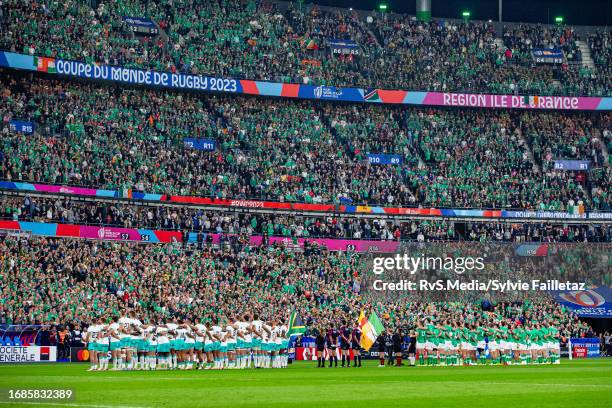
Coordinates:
x,y
370,329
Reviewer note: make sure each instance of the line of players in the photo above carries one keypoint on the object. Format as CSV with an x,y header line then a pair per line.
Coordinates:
x,y
185,345
448,343
344,341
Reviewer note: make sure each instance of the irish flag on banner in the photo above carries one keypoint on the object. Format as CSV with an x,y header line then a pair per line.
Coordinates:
x,y
531,100
370,330
44,64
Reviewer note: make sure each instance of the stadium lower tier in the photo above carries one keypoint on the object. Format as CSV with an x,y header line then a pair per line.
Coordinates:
x,y
82,282
230,147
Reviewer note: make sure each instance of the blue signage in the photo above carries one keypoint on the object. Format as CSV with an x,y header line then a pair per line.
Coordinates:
x,y
349,47
572,165
378,158
139,21
548,56
22,126
206,145
591,344
330,93
595,302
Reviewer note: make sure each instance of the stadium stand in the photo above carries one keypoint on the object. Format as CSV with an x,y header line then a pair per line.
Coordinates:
x,y
136,139
269,41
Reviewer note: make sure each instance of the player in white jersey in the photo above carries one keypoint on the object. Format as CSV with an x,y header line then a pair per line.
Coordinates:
x,y
172,335
209,343
278,339
188,351
163,346
283,352
91,336
266,344
149,346
218,338
232,342
126,342
256,331
243,343
199,330
102,342
115,343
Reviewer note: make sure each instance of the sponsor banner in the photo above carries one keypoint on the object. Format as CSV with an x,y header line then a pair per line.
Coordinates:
x,y
339,208
92,232
330,93
577,165
379,158
595,302
79,354
532,250
343,47
252,87
27,354
547,56
19,126
310,354
207,145
588,347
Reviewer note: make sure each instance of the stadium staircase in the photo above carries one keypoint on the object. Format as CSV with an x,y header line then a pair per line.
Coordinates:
x,y
587,60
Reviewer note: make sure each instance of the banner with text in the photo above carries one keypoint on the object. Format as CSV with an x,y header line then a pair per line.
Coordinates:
x,y
288,90
379,158
19,126
206,145
27,354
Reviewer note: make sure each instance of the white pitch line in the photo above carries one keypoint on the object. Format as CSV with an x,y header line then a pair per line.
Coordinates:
x,y
63,404
513,383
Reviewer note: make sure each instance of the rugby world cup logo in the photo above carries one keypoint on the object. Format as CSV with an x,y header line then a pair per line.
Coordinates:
x,y
584,298
318,91
101,232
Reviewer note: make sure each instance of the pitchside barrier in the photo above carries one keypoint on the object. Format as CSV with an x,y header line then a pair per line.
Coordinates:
x,y
21,344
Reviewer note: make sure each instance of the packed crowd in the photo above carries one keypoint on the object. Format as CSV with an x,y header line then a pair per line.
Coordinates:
x,y
225,222
297,151
262,40
79,282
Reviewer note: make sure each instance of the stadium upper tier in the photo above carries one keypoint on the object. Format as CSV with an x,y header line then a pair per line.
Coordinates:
x,y
263,41
296,151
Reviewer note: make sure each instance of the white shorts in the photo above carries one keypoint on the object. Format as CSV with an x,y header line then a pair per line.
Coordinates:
x,y
481,344
493,346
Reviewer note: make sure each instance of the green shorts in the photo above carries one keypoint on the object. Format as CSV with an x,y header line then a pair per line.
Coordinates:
x,y
216,346
91,346
102,348
188,346
163,348
198,345
115,345
223,348
208,347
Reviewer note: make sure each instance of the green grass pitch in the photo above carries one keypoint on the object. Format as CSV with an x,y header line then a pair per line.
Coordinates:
x,y
578,383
